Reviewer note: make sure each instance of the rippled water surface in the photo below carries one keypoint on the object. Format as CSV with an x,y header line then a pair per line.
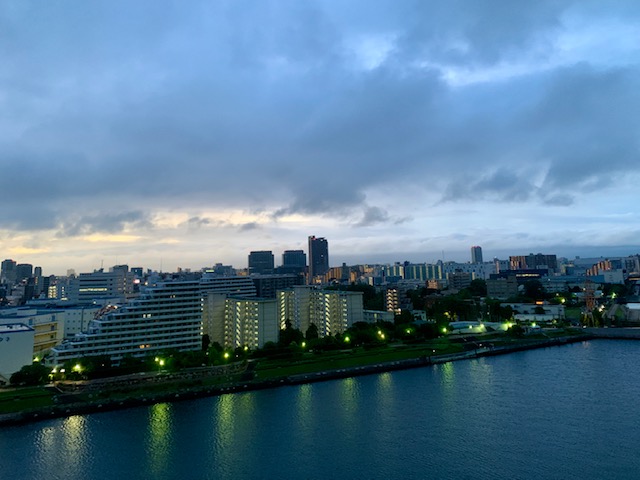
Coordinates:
x,y
567,412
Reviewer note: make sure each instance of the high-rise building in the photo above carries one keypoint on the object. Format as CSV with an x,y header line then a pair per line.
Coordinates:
x,y
531,261
116,285
476,254
166,316
318,257
8,272
261,261
293,261
332,311
37,275
240,321
23,271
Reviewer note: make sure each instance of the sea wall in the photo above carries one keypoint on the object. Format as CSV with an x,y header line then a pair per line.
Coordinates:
x,y
81,408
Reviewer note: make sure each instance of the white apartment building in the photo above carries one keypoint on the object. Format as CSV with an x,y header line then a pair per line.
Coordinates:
x,y
51,324
168,314
234,321
165,316
16,348
332,311
103,287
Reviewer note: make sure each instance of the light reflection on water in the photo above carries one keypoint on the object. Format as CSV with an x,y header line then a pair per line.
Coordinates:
x,y
159,437
567,412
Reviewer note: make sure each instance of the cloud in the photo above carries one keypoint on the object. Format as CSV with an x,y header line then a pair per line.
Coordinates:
x,y
105,223
313,111
197,222
246,227
373,216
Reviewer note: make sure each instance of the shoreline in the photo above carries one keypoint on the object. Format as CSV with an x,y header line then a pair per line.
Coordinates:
x,y
191,393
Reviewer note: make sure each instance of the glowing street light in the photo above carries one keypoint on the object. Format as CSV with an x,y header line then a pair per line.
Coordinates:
x,y
226,355
347,339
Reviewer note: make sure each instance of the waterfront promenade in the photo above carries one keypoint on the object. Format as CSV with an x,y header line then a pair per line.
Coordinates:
x,y
71,404
614,333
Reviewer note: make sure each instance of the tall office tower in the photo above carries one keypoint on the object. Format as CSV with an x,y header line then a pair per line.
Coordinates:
x,y
261,261
293,261
37,275
23,271
476,254
318,256
8,272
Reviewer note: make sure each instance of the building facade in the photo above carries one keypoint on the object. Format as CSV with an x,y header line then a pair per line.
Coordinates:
x,y
16,349
318,257
332,311
476,254
165,316
261,262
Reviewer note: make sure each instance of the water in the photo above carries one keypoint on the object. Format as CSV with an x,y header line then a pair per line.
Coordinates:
x,y
564,412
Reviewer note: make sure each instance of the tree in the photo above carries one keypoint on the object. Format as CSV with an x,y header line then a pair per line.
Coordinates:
x,y
312,332
289,335
478,288
533,290
34,374
405,316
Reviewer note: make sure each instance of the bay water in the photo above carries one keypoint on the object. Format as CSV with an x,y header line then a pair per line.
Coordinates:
x,y
570,412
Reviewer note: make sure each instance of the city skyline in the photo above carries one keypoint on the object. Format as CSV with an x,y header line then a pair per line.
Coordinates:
x,y
168,135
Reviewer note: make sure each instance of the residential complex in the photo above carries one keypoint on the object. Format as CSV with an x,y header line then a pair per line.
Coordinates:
x,y
126,312
165,316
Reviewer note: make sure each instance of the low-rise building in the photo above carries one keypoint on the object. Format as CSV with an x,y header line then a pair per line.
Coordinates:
x,y
16,349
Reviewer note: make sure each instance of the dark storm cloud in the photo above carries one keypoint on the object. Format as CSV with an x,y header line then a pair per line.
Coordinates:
x,y
502,185
479,32
246,227
105,223
197,222
588,124
269,104
372,216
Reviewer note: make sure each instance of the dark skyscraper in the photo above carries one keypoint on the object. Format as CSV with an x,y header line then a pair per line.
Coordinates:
x,y
8,271
293,261
261,262
476,254
294,258
318,256
23,271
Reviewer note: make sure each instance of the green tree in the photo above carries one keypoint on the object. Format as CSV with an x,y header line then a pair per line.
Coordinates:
x,y
206,341
478,288
289,334
534,291
34,374
312,332
405,316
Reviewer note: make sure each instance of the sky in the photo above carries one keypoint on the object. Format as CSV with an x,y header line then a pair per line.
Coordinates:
x,y
169,134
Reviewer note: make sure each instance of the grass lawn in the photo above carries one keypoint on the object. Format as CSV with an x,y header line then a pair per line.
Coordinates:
x,y
26,398
359,357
